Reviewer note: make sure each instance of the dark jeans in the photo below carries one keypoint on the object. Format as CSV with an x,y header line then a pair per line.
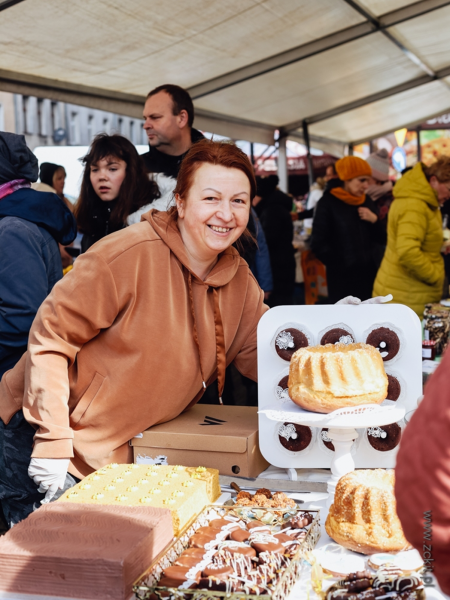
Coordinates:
x,y
18,493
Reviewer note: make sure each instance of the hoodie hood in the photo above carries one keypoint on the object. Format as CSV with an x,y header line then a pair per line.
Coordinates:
x,y
16,159
414,185
43,209
166,226
222,273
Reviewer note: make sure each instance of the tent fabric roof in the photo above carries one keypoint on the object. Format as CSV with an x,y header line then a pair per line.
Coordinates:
x,y
350,69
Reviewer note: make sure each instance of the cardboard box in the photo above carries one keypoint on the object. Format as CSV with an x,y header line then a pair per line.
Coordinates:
x,y
221,437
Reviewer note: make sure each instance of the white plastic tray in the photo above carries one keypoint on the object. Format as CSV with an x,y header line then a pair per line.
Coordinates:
x,y
313,320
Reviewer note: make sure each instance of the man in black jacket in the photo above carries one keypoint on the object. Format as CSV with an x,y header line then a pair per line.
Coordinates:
x,y
168,119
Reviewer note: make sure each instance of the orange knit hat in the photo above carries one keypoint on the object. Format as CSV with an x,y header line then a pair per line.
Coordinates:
x,y
350,167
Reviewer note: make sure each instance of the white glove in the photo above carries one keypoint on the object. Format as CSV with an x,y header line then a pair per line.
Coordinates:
x,y
378,299
355,301
49,474
349,300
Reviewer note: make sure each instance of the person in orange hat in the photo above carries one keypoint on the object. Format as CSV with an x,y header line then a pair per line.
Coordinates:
x,y
346,231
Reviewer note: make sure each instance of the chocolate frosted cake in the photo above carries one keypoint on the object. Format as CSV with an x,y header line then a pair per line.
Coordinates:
x,y
385,341
384,438
294,437
289,341
337,336
394,388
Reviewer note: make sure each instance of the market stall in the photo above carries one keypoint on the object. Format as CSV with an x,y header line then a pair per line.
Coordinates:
x,y
166,530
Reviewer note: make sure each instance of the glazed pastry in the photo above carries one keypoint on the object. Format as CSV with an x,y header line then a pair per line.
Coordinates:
x,y
289,341
363,516
239,535
385,341
325,378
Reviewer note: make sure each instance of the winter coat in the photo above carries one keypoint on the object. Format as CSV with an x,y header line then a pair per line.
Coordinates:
x,y
163,169
413,268
275,217
422,477
122,342
347,245
100,223
31,224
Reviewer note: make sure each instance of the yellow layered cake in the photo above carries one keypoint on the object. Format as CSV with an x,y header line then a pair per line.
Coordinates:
x,y
185,491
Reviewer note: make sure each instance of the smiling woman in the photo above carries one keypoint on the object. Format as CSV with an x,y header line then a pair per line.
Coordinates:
x,y
213,199
149,317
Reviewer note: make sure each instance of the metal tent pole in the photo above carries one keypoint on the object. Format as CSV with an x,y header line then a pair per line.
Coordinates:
x,y
282,165
308,153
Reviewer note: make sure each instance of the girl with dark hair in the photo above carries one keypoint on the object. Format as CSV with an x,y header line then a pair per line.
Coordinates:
x,y
114,185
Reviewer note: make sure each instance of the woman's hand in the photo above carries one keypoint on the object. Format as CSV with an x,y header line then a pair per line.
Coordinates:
x,y
49,474
365,214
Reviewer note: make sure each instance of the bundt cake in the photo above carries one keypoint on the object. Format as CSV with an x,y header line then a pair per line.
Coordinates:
x,y
325,378
363,515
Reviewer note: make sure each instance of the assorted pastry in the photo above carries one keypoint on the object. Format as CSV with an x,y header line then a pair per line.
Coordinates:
x,y
325,378
265,499
233,554
363,516
388,582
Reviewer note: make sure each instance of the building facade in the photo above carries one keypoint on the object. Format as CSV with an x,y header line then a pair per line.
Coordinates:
x,y
46,122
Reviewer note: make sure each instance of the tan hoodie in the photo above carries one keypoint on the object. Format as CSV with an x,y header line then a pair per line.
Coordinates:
x,y
122,341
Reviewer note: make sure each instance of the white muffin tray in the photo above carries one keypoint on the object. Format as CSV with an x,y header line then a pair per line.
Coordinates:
x,y
313,321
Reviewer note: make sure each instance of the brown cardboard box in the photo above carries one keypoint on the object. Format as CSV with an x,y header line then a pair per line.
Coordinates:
x,y
221,437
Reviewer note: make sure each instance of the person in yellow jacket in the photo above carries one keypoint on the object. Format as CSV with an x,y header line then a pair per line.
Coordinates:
x,y
412,269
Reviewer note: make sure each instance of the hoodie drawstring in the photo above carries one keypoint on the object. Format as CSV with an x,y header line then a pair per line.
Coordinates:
x,y
220,345
220,339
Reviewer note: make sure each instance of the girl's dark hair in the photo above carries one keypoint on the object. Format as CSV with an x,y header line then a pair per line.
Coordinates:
x,y
136,191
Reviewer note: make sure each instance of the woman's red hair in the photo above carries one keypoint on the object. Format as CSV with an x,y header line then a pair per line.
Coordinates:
x,y
225,154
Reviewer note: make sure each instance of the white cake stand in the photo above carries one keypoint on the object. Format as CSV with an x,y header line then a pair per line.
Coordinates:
x,y
342,425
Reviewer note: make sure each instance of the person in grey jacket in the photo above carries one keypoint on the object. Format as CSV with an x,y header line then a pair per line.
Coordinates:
x,y
31,225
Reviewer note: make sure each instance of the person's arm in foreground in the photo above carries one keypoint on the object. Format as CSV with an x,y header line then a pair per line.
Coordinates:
x,y
79,307
422,486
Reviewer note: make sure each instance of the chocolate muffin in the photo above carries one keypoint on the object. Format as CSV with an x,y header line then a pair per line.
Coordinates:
x,y
385,341
384,444
294,437
289,341
394,388
324,437
282,389
337,336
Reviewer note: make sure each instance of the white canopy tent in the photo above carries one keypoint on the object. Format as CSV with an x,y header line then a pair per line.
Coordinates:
x,y
337,71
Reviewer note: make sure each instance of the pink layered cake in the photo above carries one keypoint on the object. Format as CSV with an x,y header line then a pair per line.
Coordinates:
x,y
83,551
